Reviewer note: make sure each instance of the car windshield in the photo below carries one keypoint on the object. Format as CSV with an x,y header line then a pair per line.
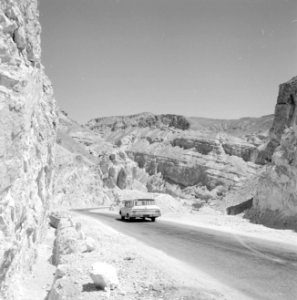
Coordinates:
x,y
144,202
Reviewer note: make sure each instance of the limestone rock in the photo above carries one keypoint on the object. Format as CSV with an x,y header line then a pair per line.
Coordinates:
x,y
62,270
67,241
65,289
285,117
55,218
276,192
27,137
90,244
104,276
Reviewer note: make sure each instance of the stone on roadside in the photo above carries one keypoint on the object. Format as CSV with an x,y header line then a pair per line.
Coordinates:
x,y
90,244
62,270
63,289
104,276
55,218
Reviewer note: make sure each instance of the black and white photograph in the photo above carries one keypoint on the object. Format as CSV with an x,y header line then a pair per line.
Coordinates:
x,y
148,150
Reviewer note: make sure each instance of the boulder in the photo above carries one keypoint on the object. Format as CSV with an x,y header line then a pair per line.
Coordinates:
x,y
56,216
104,276
90,244
64,289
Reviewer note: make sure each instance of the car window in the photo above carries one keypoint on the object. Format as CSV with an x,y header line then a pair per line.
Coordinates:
x,y
150,202
144,202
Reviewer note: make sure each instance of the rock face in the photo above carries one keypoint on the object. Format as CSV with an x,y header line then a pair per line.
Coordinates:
x,y
275,201
27,135
89,171
285,117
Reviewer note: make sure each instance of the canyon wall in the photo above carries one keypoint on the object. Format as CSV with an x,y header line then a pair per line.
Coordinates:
x,y
27,136
275,201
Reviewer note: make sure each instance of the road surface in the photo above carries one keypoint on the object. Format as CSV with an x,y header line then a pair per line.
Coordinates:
x,y
258,269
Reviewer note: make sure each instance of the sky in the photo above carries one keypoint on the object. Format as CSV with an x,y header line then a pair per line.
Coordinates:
x,y
209,58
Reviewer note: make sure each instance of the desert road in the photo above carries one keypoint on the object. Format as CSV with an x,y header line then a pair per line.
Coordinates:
x,y
258,269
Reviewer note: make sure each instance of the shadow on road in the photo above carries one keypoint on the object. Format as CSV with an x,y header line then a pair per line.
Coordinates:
x,y
134,220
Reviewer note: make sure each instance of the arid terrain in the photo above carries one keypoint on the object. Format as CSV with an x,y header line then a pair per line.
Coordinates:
x,y
225,187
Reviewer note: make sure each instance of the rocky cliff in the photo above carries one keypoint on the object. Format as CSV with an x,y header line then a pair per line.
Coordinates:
x,y
275,201
27,135
90,171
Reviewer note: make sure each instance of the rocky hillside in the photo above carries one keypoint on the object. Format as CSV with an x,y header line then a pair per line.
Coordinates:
x,y
27,136
90,171
188,157
275,201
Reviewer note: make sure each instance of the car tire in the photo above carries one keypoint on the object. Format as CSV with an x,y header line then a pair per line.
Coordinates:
x,y
153,219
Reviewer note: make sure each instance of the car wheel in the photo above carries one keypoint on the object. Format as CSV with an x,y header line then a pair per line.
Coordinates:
x,y
153,219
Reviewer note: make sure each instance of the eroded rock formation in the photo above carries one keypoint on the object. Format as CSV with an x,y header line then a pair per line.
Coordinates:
x,y
275,201
284,117
90,171
27,136
182,160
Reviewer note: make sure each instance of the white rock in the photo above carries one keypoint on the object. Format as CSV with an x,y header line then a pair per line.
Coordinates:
x,y
90,244
104,276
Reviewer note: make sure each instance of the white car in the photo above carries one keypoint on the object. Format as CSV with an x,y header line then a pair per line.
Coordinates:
x,y
140,208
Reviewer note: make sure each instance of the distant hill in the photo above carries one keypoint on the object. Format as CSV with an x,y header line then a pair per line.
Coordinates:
x,y
237,127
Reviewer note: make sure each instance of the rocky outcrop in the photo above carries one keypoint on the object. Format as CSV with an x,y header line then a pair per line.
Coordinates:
x,y
78,181
90,171
284,117
140,121
275,201
201,145
189,169
27,135
220,144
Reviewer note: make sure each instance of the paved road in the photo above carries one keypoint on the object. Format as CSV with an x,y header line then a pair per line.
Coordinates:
x,y
257,268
